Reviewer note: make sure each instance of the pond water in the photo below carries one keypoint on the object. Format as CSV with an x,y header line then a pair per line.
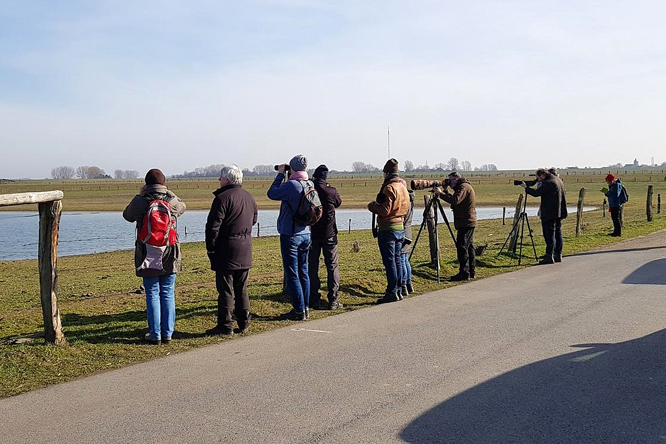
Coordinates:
x,y
96,232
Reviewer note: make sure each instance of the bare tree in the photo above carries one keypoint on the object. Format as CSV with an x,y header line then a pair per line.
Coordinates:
x,y
409,166
131,174
359,167
95,172
440,166
82,172
453,164
63,172
492,167
263,169
119,174
466,165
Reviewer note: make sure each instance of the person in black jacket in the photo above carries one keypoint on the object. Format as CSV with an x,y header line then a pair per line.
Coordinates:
x,y
325,240
552,210
229,247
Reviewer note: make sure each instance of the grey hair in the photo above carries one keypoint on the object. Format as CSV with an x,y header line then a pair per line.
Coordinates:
x,y
233,174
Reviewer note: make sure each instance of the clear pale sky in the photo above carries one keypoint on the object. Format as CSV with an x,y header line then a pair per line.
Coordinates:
x,y
183,84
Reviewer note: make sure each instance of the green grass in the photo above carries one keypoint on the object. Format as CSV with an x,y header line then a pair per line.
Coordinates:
x,y
104,318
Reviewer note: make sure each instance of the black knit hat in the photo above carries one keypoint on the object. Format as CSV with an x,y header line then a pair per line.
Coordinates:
x,y
155,177
391,166
321,172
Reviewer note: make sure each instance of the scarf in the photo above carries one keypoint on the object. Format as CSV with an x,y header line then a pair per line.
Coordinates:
x,y
299,175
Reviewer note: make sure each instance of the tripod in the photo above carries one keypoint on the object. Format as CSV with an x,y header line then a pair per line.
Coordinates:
x,y
434,201
515,229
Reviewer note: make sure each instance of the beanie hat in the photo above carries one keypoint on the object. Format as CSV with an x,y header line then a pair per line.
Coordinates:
x,y
298,163
321,172
155,177
391,166
610,178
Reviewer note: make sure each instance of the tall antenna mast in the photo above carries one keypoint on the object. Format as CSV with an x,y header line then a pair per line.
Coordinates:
x,y
388,140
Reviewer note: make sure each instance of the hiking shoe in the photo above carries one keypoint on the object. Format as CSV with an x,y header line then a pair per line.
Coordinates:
x,y
403,291
219,331
166,340
334,305
546,261
294,315
557,258
410,288
150,340
459,277
388,298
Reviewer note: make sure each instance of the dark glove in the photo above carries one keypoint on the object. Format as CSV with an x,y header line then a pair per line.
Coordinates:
x,y
211,258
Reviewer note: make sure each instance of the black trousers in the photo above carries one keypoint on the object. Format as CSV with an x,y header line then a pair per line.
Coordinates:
x,y
552,234
465,248
232,299
330,253
616,215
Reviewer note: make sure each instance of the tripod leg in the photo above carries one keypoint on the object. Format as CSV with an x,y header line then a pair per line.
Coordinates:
x,y
532,239
437,265
523,216
423,224
441,210
513,229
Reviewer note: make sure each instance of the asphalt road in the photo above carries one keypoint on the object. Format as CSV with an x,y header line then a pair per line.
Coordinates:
x,y
565,353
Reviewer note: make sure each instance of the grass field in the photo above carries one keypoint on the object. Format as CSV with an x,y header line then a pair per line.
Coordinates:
x,y
104,317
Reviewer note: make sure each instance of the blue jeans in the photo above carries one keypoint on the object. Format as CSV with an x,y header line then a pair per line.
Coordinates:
x,y
160,305
406,269
294,251
390,244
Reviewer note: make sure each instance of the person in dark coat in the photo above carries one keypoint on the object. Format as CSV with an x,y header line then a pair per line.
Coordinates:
x,y
463,204
156,265
229,247
552,210
324,235
615,203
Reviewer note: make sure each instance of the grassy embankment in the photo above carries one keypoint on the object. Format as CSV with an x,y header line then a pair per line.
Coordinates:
x,y
104,318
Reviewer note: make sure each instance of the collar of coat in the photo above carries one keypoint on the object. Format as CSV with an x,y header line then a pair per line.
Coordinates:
x,y
225,188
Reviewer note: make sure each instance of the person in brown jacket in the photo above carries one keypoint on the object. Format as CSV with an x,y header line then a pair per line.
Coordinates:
x,y
463,204
229,247
391,206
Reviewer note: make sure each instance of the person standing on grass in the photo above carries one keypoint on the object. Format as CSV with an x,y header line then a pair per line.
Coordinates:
x,y
616,199
157,256
391,206
325,241
407,287
294,238
552,210
229,248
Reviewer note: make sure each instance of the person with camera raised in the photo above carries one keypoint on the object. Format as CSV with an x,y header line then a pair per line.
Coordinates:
x,y
294,238
325,241
391,206
463,204
552,210
617,196
229,246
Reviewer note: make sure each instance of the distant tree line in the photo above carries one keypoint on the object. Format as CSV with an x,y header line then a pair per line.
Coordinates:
x,y
90,172
408,166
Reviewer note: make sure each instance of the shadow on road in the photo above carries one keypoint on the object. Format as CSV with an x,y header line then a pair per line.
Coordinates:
x,y
620,250
652,273
607,393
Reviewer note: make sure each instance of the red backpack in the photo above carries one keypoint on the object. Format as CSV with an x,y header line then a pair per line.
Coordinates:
x,y
159,226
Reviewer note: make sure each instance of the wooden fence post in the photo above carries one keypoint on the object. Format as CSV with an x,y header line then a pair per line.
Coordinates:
x,y
648,203
49,224
432,230
516,216
658,203
579,213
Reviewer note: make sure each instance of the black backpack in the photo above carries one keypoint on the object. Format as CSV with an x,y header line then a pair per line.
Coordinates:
x,y
309,209
624,196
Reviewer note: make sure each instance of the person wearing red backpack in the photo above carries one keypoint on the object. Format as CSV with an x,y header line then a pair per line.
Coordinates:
x,y
157,256
294,235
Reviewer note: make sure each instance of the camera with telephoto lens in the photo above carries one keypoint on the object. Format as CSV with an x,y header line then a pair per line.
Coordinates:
x,y
424,184
286,167
529,183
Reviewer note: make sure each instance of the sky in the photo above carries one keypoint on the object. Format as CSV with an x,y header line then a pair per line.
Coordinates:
x,y
178,85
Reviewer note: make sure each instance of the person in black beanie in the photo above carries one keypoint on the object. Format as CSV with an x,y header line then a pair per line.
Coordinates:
x,y
325,240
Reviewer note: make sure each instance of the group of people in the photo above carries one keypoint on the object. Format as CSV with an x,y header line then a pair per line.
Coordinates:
x,y
233,212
